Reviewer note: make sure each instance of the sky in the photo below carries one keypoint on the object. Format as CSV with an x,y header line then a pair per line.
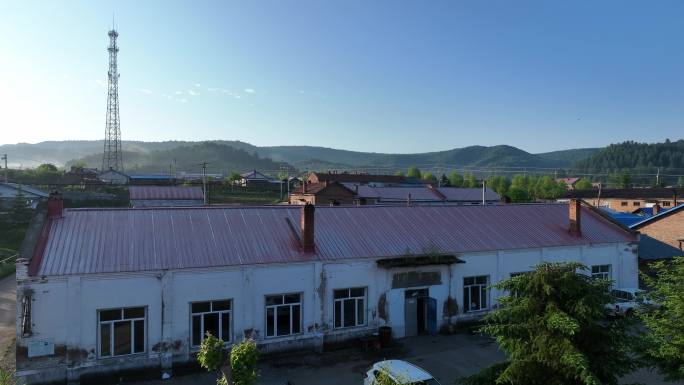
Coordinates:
x,y
384,76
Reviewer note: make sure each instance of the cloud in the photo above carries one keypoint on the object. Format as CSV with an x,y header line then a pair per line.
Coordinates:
x,y
101,83
212,89
197,84
145,91
178,93
183,100
192,93
250,90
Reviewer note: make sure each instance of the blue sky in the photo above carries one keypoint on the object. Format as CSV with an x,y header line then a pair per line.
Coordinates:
x,y
384,76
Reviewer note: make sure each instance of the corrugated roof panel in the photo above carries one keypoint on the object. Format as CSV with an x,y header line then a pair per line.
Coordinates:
x,y
119,240
165,192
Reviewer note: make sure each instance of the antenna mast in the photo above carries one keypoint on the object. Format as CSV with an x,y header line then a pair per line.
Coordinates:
x,y
111,158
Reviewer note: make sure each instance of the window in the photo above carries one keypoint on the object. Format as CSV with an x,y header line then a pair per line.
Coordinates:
x,y
283,314
600,271
26,315
350,307
475,293
210,316
122,331
624,203
636,203
666,203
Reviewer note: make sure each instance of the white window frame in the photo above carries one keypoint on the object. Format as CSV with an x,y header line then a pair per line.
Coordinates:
x,y
111,331
602,274
481,287
220,313
275,315
356,300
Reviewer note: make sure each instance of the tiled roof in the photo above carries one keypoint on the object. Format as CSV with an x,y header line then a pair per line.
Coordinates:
x,y
455,194
165,192
632,193
345,177
315,188
653,249
124,240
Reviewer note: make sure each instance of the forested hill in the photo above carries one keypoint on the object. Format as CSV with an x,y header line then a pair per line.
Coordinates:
x,y
221,158
633,156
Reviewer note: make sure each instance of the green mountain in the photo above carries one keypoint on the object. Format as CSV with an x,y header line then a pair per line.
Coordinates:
x,y
241,156
635,157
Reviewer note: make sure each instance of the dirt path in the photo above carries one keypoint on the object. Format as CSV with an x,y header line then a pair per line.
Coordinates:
x,y
8,300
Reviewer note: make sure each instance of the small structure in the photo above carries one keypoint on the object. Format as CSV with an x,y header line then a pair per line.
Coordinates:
x,y
112,176
569,183
324,193
628,200
159,196
665,226
362,179
258,181
9,192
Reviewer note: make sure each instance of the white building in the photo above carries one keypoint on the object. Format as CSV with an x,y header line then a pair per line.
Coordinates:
x,y
107,291
113,177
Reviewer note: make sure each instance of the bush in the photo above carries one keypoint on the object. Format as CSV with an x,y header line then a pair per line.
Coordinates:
x,y
243,362
212,353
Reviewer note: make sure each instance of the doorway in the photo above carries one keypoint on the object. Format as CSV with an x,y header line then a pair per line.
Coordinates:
x,y
420,312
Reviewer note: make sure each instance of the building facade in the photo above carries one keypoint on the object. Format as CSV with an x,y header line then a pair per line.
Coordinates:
x,y
629,200
288,277
665,226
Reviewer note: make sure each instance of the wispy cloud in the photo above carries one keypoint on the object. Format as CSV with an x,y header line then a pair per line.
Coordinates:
x,y
183,100
192,93
101,83
145,91
178,93
250,90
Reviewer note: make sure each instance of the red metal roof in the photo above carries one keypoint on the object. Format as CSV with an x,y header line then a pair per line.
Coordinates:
x,y
119,240
165,192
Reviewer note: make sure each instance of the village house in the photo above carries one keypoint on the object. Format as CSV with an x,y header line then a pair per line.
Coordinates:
x,y
628,200
115,291
150,196
569,183
113,177
322,193
362,179
666,226
258,181
10,191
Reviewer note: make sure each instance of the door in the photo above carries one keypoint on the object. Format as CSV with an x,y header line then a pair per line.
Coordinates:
x,y
411,316
431,316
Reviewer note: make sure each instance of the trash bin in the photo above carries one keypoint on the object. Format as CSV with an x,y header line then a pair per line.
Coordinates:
x,y
385,333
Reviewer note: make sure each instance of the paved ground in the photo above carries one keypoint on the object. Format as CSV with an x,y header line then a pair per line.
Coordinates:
x,y
446,357
8,300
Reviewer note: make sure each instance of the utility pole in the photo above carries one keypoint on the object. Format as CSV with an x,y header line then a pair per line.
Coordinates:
x,y
4,157
204,180
484,190
658,178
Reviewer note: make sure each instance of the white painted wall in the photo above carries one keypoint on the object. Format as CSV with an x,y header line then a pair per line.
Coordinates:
x,y
65,308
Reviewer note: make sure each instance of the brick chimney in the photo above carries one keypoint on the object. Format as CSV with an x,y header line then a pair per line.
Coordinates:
x,y
655,209
307,227
575,216
55,205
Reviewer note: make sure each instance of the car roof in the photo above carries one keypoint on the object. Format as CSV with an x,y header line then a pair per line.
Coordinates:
x,y
402,370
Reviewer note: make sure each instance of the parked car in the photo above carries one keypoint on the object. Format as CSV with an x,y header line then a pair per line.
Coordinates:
x,y
400,373
626,301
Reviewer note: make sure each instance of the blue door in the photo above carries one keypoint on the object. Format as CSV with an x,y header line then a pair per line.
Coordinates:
x,y
431,316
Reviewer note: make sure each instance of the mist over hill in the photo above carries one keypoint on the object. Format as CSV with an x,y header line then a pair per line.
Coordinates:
x,y
227,156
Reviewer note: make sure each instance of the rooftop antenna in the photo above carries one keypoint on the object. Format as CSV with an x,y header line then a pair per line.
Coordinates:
x,y
112,155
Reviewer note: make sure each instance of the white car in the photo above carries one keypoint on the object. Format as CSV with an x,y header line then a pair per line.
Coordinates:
x,y
400,373
626,301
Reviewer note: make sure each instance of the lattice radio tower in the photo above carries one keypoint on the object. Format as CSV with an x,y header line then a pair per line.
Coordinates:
x,y
111,159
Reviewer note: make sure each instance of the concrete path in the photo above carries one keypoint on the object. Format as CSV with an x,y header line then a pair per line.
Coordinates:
x,y
8,303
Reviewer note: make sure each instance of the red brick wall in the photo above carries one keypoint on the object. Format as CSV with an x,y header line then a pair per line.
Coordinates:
x,y
669,229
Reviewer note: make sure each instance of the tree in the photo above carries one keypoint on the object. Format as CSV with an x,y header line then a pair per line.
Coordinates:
x,y
518,195
399,173
244,358
455,179
553,330
414,172
499,184
428,176
470,181
20,213
664,340
444,181
583,184
680,181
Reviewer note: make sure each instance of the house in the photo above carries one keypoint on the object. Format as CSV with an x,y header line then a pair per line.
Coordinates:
x,y
113,291
9,192
152,180
422,195
666,226
256,180
628,200
568,182
147,196
112,176
323,193
362,179
78,175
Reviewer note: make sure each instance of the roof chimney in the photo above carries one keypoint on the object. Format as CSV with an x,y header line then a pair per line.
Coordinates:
x,y
575,216
55,205
655,209
307,227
